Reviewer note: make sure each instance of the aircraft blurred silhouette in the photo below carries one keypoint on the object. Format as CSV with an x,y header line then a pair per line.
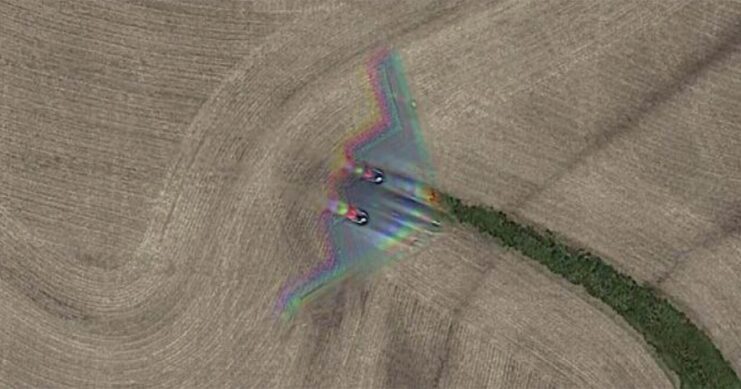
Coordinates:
x,y
381,201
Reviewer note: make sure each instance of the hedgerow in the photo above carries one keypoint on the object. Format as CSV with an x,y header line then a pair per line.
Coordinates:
x,y
682,346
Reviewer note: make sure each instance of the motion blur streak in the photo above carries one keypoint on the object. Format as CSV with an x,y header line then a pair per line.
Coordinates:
x,y
403,210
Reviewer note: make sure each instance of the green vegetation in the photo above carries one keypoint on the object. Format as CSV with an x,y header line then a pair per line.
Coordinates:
x,y
678,342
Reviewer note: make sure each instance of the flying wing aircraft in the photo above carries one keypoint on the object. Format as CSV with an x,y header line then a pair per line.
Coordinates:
x,y
381,201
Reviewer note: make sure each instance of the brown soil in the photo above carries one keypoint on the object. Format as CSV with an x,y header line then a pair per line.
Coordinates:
x,y
162,165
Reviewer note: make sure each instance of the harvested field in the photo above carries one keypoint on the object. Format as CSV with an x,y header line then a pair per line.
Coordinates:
x,y
707,288
676,340
162,165
628,143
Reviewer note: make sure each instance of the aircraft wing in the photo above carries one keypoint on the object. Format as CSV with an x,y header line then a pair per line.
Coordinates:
x,y
401,215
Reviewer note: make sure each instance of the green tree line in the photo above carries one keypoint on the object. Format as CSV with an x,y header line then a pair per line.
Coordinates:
x,y
682,346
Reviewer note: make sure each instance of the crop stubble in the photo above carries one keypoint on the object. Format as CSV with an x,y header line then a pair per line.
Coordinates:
x,y
162,168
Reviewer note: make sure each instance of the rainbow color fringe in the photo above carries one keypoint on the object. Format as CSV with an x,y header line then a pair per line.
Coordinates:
x,y
404,206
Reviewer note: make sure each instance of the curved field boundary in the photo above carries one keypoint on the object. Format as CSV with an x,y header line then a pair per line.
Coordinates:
x,y
679,343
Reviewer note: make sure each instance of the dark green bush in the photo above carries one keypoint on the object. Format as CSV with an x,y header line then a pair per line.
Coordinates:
x,y
678,342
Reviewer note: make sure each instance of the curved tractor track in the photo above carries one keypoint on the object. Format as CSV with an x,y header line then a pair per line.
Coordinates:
x,y
163,165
